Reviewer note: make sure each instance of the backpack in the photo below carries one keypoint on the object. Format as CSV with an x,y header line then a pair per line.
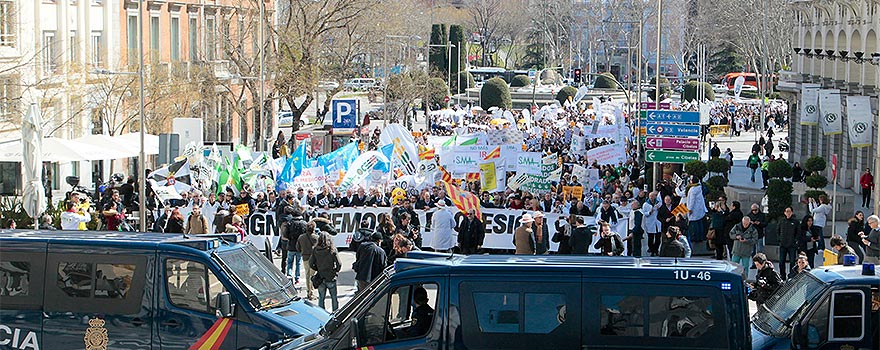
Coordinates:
x,y
357,238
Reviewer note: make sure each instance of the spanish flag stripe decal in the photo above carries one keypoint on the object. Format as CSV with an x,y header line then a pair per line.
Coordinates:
x,y
212,339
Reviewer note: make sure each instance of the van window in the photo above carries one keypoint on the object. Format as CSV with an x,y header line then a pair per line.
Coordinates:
x,y
817,327
847,312
407,312
75,279
191,285
113,280
498,312
15,277
685,317
622,315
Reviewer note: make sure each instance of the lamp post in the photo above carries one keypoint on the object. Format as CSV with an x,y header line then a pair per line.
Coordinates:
x,y
261,140
657,67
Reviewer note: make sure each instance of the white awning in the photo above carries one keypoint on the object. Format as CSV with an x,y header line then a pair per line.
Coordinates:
x,y
133,139
60,150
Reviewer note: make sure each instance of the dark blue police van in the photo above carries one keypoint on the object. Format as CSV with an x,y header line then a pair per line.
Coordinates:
x,y
441,301
112,290
831,307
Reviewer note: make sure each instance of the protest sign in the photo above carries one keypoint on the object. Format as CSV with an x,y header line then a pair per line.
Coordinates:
x,y
310,179
612,154
529,163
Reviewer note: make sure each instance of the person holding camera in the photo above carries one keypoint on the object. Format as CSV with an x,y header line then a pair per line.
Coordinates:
x,y
767,280
609,241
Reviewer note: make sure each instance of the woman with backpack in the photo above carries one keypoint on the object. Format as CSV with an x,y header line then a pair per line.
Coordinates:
x,y
325,262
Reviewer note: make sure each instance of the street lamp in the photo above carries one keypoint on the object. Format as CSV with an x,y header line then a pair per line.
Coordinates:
x,y
537,80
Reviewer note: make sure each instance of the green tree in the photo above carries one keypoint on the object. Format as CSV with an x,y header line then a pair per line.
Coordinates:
x,y
459,55
520,80
437,56
724,60
664,88
565,93
437,91
696,168
495,94
605,81
690,91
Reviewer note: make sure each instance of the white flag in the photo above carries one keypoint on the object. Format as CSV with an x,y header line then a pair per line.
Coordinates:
x,y
829,106
859,118
809,104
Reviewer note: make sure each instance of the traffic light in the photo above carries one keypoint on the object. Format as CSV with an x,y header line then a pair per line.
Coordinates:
x,y
577,75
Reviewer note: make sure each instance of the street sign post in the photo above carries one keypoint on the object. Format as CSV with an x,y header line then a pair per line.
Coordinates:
x,y
671,156
671,116
672,143
680,130
345,114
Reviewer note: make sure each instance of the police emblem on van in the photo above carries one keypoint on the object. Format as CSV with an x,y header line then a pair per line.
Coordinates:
x,y
96,335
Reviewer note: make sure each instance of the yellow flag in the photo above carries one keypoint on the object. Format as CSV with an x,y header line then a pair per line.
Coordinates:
x,y
487,172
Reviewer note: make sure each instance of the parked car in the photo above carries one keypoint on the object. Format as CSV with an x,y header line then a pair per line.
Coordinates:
x,y
285,119
359,84
719,88
327,85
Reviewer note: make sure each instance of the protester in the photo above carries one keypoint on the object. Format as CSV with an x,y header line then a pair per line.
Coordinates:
x,y
820,210
636,231
650,223
196,223
564,228
759,220
580,237
523,236
696,211
542,234
442,225
175,222
325,262
369,261
609,242
470,233
305,245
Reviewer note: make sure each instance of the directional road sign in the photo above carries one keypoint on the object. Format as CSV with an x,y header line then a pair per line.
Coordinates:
x,y
671,156
673,143
666,129
671,116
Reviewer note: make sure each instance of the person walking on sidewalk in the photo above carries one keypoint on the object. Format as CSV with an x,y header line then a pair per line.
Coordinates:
x,y
867,183
369,261
754,162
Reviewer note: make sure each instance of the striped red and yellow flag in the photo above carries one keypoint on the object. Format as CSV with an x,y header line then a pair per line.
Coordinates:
x,y
427,154
462,199
496,153
213,338
473,177
447,177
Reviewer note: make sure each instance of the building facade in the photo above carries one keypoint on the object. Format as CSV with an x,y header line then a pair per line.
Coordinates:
x,y
835,46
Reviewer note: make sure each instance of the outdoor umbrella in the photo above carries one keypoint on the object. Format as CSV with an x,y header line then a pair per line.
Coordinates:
x,y
33,196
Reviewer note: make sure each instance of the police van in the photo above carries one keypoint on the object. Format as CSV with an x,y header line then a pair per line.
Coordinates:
x,y
112,290
832,307
442,301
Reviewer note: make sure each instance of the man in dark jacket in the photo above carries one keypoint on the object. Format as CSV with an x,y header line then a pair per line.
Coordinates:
x,y
664,214
369,262
788,230
323,224
767,280
580,238
470,233
295,228
759,220
636,232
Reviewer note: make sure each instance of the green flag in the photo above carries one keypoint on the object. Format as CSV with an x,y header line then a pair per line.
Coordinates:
x,y
450,142
472,141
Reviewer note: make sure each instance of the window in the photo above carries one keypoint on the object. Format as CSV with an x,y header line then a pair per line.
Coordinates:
x,y
686,317
544,312
7,23
175,39
622,315
15,278
50,52
817,328
407,312
210,43
193,39
8,95
75,279
847,312
191,286
113,281
73,47
154,39
132,39
97,49
498,312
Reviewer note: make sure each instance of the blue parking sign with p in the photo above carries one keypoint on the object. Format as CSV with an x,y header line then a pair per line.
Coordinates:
x,y
345,114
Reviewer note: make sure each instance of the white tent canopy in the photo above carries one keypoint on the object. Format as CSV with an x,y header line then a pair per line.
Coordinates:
x,y
93,147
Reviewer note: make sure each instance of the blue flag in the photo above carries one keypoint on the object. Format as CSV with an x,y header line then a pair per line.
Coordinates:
x,y
294,165
339,159
386,150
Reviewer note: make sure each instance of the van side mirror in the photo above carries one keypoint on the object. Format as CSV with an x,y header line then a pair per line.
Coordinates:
x,y
798,337
225,307
353,331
